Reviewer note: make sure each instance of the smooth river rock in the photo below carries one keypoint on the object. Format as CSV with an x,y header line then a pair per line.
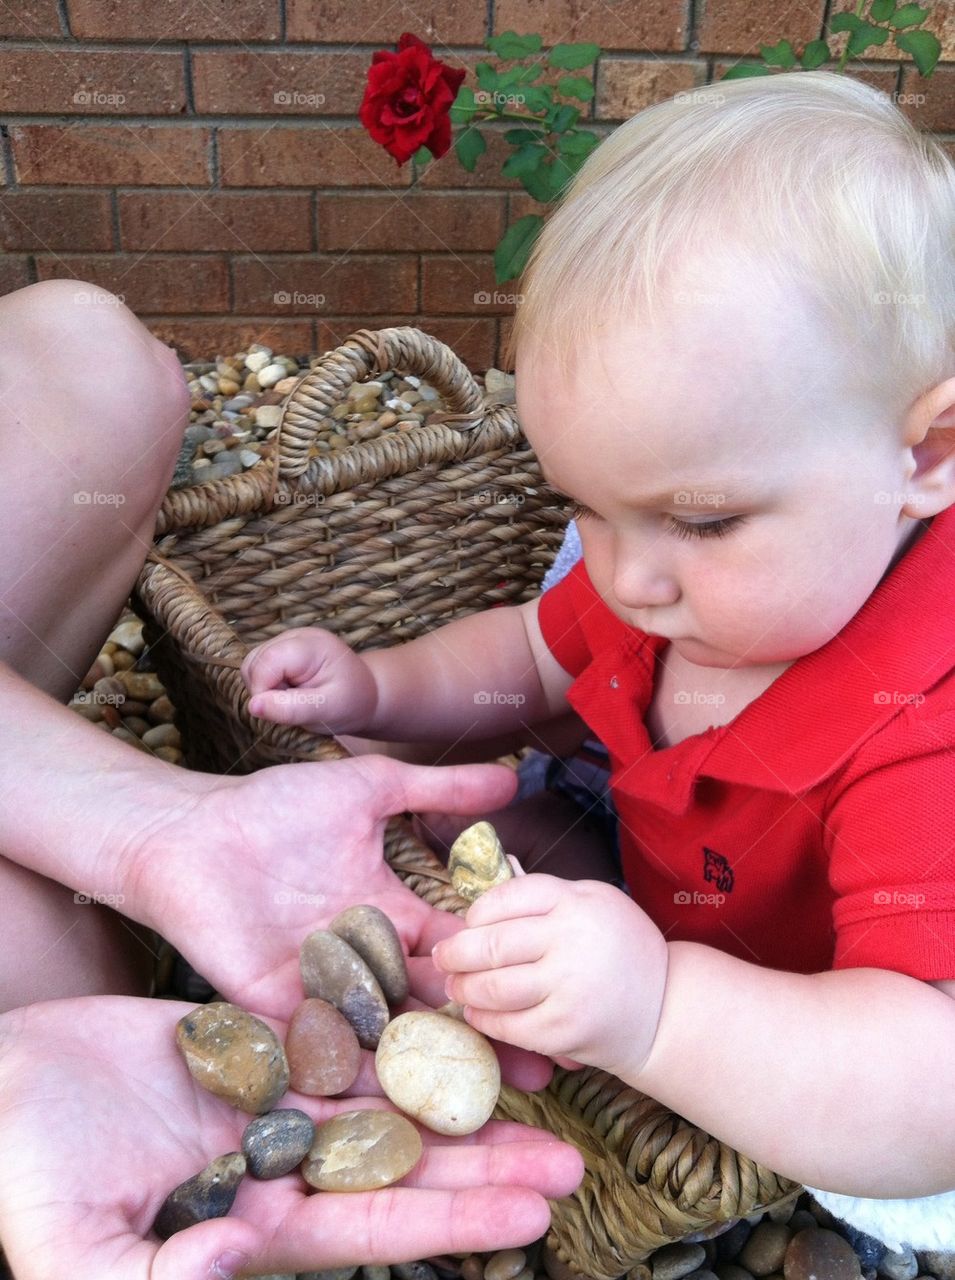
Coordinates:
x,y
277,1143
334,971
324,1056
234,1055
816,1253
440,1071
368,931
361,1151
764,1251
477,861
209,1194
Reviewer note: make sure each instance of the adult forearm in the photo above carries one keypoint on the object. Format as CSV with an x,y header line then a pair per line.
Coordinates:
x,y
841,1080
72,796
473,678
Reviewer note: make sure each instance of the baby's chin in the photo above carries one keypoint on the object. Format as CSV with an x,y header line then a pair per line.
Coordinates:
x,y
702,653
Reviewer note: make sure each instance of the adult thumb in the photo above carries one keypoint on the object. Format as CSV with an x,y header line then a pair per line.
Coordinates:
x,y
458,788
219,1249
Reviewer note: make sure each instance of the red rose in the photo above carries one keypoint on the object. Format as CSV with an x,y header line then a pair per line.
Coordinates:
x,y
407,99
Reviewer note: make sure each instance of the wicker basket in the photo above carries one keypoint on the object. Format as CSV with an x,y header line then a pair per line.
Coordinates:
x,y
380,542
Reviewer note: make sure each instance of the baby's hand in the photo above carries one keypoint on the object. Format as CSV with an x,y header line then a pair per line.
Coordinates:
x,y
570,968
308,676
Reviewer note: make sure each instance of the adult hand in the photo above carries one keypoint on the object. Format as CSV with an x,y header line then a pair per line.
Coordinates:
x,y
100,1120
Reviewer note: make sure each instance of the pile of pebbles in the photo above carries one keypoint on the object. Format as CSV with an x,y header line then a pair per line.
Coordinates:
x,y
237,404
431,1066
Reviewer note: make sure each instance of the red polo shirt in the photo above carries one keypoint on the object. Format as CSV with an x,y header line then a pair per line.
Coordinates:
x,y
815,830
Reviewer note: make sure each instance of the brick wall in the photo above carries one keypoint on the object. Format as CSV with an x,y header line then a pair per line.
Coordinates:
x,y
144,148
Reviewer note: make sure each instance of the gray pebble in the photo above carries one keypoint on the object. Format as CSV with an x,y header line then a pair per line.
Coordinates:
x,y
730,1271
277,1143
227,463
940,1263
209,1194
703,1274
800,1220
729,1244
369,932
197,434
414,1271
334,1273
674,1261
899,1266
376,1273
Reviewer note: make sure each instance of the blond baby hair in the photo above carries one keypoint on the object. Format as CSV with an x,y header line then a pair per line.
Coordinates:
x,y
820,174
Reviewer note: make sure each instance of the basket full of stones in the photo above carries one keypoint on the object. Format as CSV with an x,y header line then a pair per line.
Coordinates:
x,y
391,493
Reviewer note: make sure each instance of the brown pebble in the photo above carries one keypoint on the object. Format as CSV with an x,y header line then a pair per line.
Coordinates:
x,y
335,972
133,708
122,660
172,755
362,1151
234,1055
369,932
730,1271
817,1252
142,685
505,1265
136,725
161,711
162,735
88,710
472,1267
109,689
673,1261
555,1268
765,1250
210,1194
324,1056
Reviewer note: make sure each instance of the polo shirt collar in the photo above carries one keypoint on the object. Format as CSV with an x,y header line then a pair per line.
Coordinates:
x,y
814,715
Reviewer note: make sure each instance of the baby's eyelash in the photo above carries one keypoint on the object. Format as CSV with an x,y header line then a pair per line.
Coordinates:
x,y
680,528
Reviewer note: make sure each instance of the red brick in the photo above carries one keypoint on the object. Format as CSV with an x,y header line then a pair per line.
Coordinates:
x,y
237,82
520,204
14,274
150,282
199,339
68,221
110,154
356,283
182,20
627,85
741,26
464,285
434,221
29,20
242,223
471,339
929,100
314,155
615,24
370,22
92,82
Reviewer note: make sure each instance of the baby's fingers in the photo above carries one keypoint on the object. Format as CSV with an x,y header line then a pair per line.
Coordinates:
x,y
288,706
491,947
505,990
287,659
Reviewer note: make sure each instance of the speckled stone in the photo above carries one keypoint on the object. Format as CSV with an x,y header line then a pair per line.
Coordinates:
x,y
334,971
477,862
440,1071
368,931
674,1261
361,1151
234,1055
818,1252
324,1056
765,1250
414,1271
277,1143
505,1265
899,1266
209,1194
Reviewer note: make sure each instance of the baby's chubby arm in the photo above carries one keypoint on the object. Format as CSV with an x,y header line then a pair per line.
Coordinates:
x,y
488,673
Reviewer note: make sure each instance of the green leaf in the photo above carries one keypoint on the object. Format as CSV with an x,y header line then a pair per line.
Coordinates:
x,y
525,160
511,254
741,71
577,145
571,57
815,54
864,36
511,45
882,10
517,137
778,55
548,179
910,15
463,107
537,97
487,77
468,146
564,117
924,48
422,156
844,22
575,87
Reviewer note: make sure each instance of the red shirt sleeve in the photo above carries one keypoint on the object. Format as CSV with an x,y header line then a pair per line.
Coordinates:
x,y
558,616
891,842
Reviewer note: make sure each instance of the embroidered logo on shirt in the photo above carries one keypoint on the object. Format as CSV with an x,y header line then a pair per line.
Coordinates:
x,y
717,870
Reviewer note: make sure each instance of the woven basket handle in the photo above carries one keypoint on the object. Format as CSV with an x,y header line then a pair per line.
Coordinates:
x,y
362,355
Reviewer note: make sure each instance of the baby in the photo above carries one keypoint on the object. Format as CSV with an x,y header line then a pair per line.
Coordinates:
x,y
734,355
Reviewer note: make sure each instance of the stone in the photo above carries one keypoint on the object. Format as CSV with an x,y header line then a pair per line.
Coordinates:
x,y
277,1143
414,1271
368,931
226,464
160,711
210,1194
270,374
939,1263
440,1071
141,685
136,725
255,361
472,1267
899,1266
376,1273
129,636
674,1261
505,1265
162,735
362,1151
324,1056
801,1219
172,755
555,1267
335,972
249,457
868,1249
268,415
477,862
234,1055
704,1273
452,1010
333,1273
730,1271
766,1248
817,1252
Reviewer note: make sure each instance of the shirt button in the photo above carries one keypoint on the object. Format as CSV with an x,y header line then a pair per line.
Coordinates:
x,y
614,682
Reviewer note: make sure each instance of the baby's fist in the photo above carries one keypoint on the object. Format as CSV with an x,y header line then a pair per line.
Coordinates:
x,y
308,676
